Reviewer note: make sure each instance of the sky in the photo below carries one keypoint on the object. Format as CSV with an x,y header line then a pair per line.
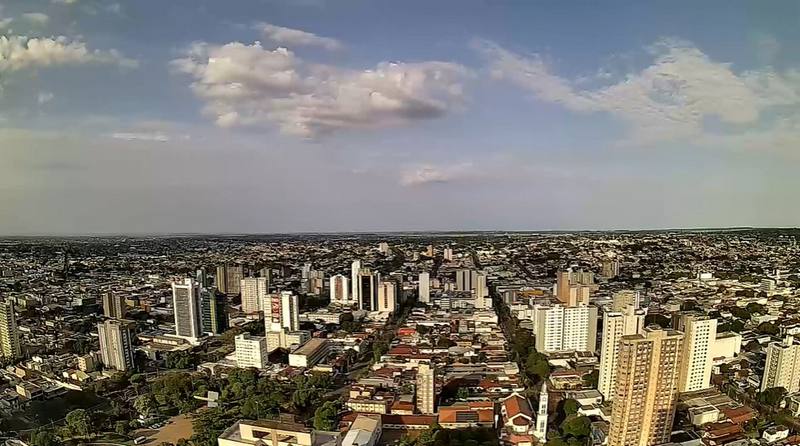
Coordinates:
x,y
194,116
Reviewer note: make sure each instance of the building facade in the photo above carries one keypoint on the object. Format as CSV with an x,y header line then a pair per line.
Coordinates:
x,y
116,344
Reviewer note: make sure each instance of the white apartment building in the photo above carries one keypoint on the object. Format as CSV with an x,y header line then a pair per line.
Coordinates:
x,y
783,366
700,332
251,351
559,328
254,292
615,325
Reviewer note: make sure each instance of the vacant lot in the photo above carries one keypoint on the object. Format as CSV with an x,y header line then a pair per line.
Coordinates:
x,y
177,427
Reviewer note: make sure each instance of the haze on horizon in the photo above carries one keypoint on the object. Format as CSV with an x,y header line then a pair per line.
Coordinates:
x,y
267,116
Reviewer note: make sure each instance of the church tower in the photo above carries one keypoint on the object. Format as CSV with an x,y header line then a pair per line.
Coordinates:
x,y
541,416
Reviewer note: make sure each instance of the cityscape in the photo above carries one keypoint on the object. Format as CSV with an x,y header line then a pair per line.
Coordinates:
x,y
416,339
399,223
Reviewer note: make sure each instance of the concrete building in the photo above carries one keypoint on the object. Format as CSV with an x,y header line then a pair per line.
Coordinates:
x,y
251,351
254,292
213,317
116,344
228,279
339,290
113,305
9,336
365,431
541,416
783,366
368,283
387,296
282,311
186,309
424,288
700,332
426,388
310,353
355,270
615,325
645,393
280,432
559,328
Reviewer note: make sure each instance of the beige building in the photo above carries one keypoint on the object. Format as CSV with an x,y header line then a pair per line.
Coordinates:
x,y
282,432
251,351
9,336
387,296
645,389
426,388
616,324
254,293
113,305
783,366
561,328
310,353
700,332
116,343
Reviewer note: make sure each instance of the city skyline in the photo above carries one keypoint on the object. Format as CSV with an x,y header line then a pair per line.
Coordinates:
x,y
292,117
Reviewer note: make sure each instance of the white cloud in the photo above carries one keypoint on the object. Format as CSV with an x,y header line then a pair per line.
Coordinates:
x,y
44,97
432,174
295,37
668,100
141,136
20,52
249,85
65,2
4,22
37,18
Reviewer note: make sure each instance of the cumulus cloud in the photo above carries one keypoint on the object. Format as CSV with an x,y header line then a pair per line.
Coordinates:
x,y
249,85
44,97
20,52
295,37
37,18
432,174
668,100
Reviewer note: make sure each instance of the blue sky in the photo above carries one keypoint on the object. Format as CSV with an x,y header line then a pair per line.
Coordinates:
x,y
312,115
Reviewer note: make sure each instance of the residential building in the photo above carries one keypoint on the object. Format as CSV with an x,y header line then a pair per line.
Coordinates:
x,y
9,336
560,328
355,283
645,390
783,366
186,309
113,305
251,351
700,332
339,290
254,291
615,325
426,388
116,344
228,279
387,296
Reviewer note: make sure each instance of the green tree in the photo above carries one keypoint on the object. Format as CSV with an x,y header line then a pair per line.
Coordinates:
x,y
771,397
44,437
325,417
537,366
79,422
145,405
590,379
576,426
462,393
571,407
768,328
121,427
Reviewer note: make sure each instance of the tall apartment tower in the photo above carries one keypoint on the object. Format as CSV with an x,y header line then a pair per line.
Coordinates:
x,y
465,279
116,344
426,388
368,283
541,416
616,324
282,312
339,291
424,289
559,328
387,296
645,391
783,366
700,333
9,336
229,279
355,270
251,351
213,318
186,308
254,291
113,305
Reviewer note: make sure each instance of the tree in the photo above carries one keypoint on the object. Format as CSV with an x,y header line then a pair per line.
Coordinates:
x,y
462,393
378,350
590,379
571,407
658,319
325,416
753,307
768,328
44,437
79,422
121,427
537,366
145,405
772,396
576,426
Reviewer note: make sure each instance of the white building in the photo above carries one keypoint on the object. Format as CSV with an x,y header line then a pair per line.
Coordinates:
x,y
700,332
186,308
560,328
254,292
339,290
387,296
426,388
282,311
251,351
615,325
783,366
424,287
355,270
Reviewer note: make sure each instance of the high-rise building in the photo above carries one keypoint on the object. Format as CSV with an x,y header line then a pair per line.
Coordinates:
x,y
426,388
254,291
559,328
251,351
282,312
201,277
481,291
448,254
616,324
562,286
700,332
387,296
610,268
541,416
213,317
424,289
229,279
783,366
186,308
368,284
355,271
465,279
623,299
116,344
113,305
339,290
9,336
572,288
645,389
383,248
